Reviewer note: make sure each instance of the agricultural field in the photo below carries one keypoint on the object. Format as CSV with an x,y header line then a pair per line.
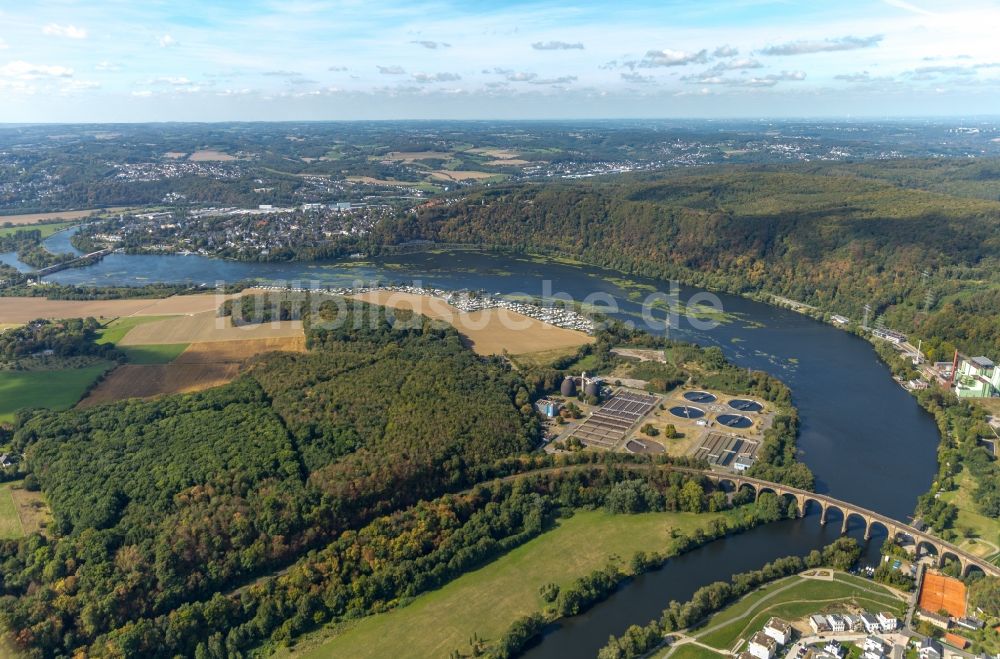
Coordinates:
x,y
46,229
487,600
414,156
24,309
59,389
10,522
149,380
210,155
488,331
183,368
238,351
33,218
458,175
114,331
206,326
793,598
33,511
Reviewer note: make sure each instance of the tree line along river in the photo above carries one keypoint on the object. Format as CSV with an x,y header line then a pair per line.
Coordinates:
x,y
864,438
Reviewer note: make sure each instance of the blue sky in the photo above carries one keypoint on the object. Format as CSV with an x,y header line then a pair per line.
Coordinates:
x,y
161,60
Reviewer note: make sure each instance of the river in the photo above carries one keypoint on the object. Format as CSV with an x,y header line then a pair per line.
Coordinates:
x,y
864,438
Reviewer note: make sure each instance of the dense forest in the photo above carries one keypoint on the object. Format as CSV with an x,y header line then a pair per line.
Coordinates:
x,y
822,235
160,502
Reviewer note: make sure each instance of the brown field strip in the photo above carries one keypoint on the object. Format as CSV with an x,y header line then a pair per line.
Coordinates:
x,y
237,351
24,309
942,593
488,331
458,175
432,307
200,366
33,218
411,156
32,510
491,331
206,327
148,380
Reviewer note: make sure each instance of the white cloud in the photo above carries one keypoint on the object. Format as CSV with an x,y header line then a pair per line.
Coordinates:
x,y
668,57
823,46
144,93
394,70
725,51
105,65
26,71
167,41
432,45
561,80
67,31
175,81
71,86
520,76
3,45
556,45
637,77
436,77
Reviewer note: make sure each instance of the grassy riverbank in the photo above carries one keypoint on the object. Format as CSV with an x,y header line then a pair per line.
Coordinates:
x,y
793,598
487,600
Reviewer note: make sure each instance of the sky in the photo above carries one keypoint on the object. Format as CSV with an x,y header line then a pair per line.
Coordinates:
x,y
247,60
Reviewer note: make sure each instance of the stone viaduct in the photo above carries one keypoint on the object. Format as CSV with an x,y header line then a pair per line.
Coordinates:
x,y
943,550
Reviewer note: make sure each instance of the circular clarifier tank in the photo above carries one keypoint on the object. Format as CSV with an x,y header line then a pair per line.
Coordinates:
x,y
734,420
687,412
699,397
745,405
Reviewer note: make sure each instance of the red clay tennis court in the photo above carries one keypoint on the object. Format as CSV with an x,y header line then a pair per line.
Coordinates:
x,y
943,593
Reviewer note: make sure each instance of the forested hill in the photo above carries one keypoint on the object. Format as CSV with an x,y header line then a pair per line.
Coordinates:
x,y
817,234
161,503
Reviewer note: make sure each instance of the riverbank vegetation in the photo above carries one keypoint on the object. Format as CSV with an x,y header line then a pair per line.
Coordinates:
x,y
753,230
638,641
963,503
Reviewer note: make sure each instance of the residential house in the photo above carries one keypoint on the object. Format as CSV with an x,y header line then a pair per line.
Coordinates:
x,y
888,621
819,624
936,619
836,622
969,622
874,644
835,649
779,630
870,623
930,649
762,646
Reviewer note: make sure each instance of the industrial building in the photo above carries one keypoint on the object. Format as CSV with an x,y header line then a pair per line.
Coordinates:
x,y
977,377
572,385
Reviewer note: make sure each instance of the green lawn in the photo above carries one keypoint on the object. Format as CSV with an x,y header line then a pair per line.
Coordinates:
x,y
985,531
46,229
487,600
792,598
10,523
154,354
59,389
116,330
691,651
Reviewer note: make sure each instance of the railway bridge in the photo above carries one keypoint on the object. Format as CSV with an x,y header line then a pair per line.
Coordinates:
x,y
944,550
